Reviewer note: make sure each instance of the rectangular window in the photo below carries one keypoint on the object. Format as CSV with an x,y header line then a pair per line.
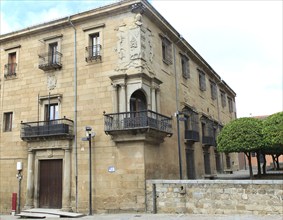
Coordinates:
x,y
230,104
95,44
203,129
185,67
10,68
223,99
8,117
166,51
50,56
191,122
51,112
213,90
202,83
53,53
12,62
94,47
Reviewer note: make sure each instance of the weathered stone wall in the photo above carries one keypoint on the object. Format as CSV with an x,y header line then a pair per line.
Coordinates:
x,y
131,44
259,197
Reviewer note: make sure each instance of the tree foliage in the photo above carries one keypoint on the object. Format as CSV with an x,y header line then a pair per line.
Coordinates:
x,y
273,133
241,135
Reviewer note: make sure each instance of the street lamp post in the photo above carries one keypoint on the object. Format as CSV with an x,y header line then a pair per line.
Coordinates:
x,y
89,135
90,176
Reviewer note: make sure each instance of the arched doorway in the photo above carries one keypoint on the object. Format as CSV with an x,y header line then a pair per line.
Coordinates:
x,y
138,101
138,110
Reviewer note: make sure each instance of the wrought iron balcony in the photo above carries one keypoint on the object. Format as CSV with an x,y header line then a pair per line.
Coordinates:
x,y
191,135
93,53
140,122
42,130
50,61
10,70
208,141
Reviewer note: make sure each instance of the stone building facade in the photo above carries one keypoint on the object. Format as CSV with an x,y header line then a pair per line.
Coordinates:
x,y
154,104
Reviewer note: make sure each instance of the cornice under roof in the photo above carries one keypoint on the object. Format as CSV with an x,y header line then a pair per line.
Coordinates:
x,y
124,5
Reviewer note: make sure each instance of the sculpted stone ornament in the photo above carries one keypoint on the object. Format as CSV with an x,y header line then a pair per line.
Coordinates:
x,y
139,19
51,82
134,46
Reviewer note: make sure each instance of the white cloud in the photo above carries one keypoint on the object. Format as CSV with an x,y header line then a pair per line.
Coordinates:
x,y
241,40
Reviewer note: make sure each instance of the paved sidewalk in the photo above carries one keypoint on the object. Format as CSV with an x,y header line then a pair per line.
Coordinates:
x,y
163,217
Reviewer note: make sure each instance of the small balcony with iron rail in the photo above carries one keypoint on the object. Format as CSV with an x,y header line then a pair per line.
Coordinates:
x,y
146,125
50,61
208,141
10,70
47,130
93,53
191,136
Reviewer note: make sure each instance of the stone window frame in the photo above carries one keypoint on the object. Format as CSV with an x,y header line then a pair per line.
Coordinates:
x,y
52,99
230,104
166,49
7,121
185,65
45,48
11,50
223,99
89,32
192,119
52,40
213,90
202,80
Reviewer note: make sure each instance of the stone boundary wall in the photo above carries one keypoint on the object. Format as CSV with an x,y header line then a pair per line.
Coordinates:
x,y
257,197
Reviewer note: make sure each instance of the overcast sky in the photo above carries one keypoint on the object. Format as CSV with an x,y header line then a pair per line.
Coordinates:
x,y
241,40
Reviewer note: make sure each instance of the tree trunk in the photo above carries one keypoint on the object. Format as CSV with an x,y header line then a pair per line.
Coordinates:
x,y
264,164
248,154
273,160
258,163
277,161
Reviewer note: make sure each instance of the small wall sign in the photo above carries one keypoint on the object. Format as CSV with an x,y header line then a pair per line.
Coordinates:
x,y
111,169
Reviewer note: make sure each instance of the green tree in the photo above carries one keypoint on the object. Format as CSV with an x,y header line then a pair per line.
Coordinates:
x,y
241,135
273,136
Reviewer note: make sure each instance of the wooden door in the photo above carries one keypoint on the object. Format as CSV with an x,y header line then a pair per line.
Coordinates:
x,y
50,184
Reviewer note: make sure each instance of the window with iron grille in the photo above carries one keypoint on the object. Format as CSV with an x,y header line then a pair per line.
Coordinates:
x,y
49,57
185,67
94,47
192,120
52,53
166,51
213,90
8,117
223,99
230,104
10,68
202,83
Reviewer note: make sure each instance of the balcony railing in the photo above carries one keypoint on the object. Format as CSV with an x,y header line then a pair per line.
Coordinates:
x,y
93,53
59,129
50,61
192,135
137,120
208,141
10,70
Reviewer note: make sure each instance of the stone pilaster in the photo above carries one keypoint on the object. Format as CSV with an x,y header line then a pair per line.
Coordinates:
x,y
30,181
66,206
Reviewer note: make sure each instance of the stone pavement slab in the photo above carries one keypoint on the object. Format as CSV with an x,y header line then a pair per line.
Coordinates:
x,y
144,216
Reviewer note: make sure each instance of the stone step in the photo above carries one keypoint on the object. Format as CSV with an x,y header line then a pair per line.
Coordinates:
x,y
43,213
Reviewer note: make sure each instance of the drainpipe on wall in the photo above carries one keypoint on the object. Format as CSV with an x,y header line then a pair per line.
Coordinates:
x,y
75,110
219,118
177,111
